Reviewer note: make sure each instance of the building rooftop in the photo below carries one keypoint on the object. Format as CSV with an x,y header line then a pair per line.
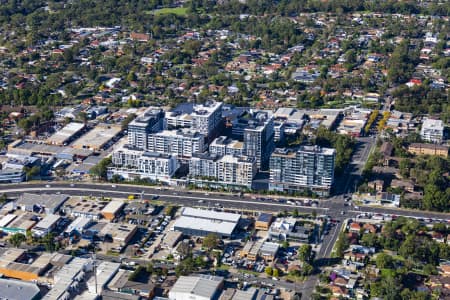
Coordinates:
x,y
179,133
205,109
83,206
105,271
171,238
144,119
79,222
18,290
44,149
70,274
47,222
264,217
49,201
97,137
217,226
64,134
429,146
118,231
292,152
113,206
235,294
7,219
237,159
204,286
23,222
210,214
268,248
433,124
10,260
253,120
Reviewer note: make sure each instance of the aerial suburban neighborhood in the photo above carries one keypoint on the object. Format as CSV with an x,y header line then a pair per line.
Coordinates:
x,y
224,150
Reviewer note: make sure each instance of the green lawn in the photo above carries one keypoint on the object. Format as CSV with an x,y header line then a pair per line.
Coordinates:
x,y
180,11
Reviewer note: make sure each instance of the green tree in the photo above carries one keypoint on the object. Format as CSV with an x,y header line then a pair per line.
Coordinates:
x,y
100,170
49,242
136,273
341,244
384,261
185,267
305,253
307,269
269,271
32,172
127,121
210,241
17,239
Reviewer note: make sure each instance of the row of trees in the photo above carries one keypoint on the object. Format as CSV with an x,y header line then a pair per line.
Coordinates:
x,y
289,8
48,240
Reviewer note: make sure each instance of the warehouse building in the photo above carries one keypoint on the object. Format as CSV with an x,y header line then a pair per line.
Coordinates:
x,y
263,221
120,233
198,222
15,263
21,224
79,207
50,203
265,250
287,229
6,220
65,135
78,225
68,278
203,287
123,286
105,272
18,290
171,239
98,137
112,209
60,152
46,225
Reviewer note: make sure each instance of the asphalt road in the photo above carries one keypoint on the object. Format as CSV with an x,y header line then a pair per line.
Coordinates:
x,y
332,207
181,197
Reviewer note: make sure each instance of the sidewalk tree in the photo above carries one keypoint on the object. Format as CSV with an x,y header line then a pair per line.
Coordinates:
x,y
305,253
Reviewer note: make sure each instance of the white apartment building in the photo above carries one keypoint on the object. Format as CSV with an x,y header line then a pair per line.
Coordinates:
x,y
152,120
227,169
226,146
204,118
307,167
176,142
133,164
432,130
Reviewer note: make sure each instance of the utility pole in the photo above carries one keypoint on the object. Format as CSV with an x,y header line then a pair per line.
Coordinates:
x,y
95,269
